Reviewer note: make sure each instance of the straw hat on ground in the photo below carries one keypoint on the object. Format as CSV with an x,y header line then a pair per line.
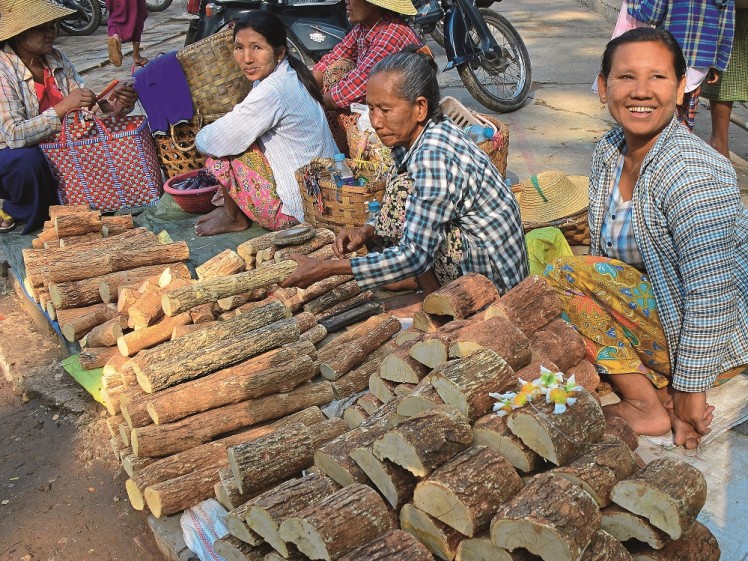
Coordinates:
x,y
17,16
552,195
404,7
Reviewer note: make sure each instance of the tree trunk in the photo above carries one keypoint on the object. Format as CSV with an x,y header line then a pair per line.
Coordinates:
x,y
605,547
433,350
624,525
210,290
135,341
559,438
481,548
163,440
498,334
422,398
461,298
401,367
106,334
600,467
422,443
530,305
560,343
233,549
266,512
697,545
224,264
78,224
357,379
465,384
440,539
393,546
108,285
550,517
394,483
227,491
465,492
428,323
354,315
295,298
338,523
77,327
492,431
668,492
96,357
331,298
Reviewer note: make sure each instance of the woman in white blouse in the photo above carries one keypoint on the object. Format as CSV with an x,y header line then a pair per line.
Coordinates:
x,y
279,127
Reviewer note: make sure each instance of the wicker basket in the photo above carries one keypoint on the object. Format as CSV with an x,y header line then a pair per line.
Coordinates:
x,y
176,150
216,82
576,228
326,206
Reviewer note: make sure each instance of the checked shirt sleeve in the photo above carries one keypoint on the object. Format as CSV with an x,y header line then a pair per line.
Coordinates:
x,y
347,48
652,12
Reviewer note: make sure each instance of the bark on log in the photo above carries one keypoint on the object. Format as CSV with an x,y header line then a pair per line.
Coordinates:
x,y
331,298
624,525
404,390
338,523
560,343
227,491
182,330
135,341
232,302
369,403
352,316
77,224
461,298
330,350
357,379
163,440
354,416
428,323
63,210
422,398
492,431
66,315
559,438
550,517
585,375
530,305
210,290
134,406
126,297
133,465
602,465
115,225
440,539
394,483
498,334
202,313
324,237
234,549
532,371
106,334
248,380
346,305
77,327
605,547
146,310
113,423
314,335
266,512
108,285
295,556
617,426
334,459
224,264
668,492
249,249
465,384
96,357
70,241
127,373
467,491
295,298
173,495
433,350
425,441
400,367
393,546
481,548
697,545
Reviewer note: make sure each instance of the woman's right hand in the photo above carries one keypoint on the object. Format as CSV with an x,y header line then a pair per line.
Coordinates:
x,y
349,240
79,97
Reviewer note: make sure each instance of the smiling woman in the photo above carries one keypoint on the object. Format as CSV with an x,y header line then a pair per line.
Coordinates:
x,y
662,300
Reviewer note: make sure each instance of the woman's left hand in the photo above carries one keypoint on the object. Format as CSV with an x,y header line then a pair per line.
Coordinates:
x,y
312,270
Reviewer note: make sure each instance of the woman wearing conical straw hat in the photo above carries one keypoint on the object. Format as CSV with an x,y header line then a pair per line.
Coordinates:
x,y
38,86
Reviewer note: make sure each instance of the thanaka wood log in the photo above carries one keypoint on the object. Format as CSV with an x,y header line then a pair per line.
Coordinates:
x,y
461,298
428,323
559,438
249,249
324,253
400,367
352,316
334,296
492,431
77,224
70,241
668,492
465,492
226,263
532,371
232,302
117,446
126,297
605,547
124,433
550,517
393,546
109,285
440,539
173,495
110,379
314,335
530,305
699,544
75,294
338,523
231,385
114,225
133,464
211,290
383,390
602,465
238,528
133,404
346,305
353,334
127,373
585,375
295,298
266,512
96,357
425,441
324,237
481,548
433,349
498,334
227,491
202,313
407,335
560,343
422,398
357,379
75,328
63,210
394,483
617,426
113,424
182,330
246,308
131,343
295,556
233,549
66,315
624,525
354,416
106,334
169,438
404,390
146,310
465,384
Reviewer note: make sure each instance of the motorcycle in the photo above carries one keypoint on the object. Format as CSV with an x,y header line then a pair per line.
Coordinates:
x,y
157,5
86,18
487,51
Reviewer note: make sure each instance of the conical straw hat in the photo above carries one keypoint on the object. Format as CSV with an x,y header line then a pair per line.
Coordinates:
x,y
552,195
404,7
16,16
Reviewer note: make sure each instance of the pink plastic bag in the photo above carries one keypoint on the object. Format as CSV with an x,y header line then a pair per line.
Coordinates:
x,y
625,22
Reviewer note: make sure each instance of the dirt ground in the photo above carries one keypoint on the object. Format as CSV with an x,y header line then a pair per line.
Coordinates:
x,y
62,496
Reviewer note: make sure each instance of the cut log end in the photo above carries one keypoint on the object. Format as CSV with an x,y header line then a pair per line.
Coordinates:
x,y
134,495
306,538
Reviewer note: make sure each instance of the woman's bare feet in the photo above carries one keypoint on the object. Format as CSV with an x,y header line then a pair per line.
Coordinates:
x,y
640,405
219,221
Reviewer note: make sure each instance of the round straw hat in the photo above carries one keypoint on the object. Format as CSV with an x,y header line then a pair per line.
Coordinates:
x,y
552,195
16,16
404,7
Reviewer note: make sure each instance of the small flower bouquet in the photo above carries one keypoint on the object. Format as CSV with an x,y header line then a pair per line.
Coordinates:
x,y
550,385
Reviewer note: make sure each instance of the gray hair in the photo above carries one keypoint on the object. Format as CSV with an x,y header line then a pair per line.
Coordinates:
x,y
418,77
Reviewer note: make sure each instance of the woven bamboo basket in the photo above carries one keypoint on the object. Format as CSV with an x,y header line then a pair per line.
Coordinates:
x,y
176,150
216,82
326,206
575,228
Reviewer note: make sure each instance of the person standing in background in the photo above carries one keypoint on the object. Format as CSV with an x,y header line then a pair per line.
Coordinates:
x,y
732,84
125,24
704,31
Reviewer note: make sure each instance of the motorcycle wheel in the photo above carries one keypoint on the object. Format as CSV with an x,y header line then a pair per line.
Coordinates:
x,y
438,33
501,89
157,5
86,21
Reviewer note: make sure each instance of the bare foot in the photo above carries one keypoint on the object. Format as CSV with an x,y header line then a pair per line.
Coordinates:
x,y
218,221
644,417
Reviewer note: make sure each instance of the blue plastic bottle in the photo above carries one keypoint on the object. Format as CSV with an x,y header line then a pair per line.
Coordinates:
x,y
479,133
343,175
374,210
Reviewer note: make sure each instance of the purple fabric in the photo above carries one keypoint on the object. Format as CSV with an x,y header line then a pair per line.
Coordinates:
x,y
126,19
164,93
27,186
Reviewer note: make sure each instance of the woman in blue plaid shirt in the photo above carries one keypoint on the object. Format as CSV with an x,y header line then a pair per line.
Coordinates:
x,y
662,300
460,213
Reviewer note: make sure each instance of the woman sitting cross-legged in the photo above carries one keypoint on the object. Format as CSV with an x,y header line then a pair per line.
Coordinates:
x,y
279,127
662,300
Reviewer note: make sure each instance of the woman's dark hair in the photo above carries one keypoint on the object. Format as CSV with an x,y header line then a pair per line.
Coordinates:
x,y
642,35
418,72
272,29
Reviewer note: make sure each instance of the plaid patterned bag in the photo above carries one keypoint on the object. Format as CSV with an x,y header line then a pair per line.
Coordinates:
x,y
108,164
